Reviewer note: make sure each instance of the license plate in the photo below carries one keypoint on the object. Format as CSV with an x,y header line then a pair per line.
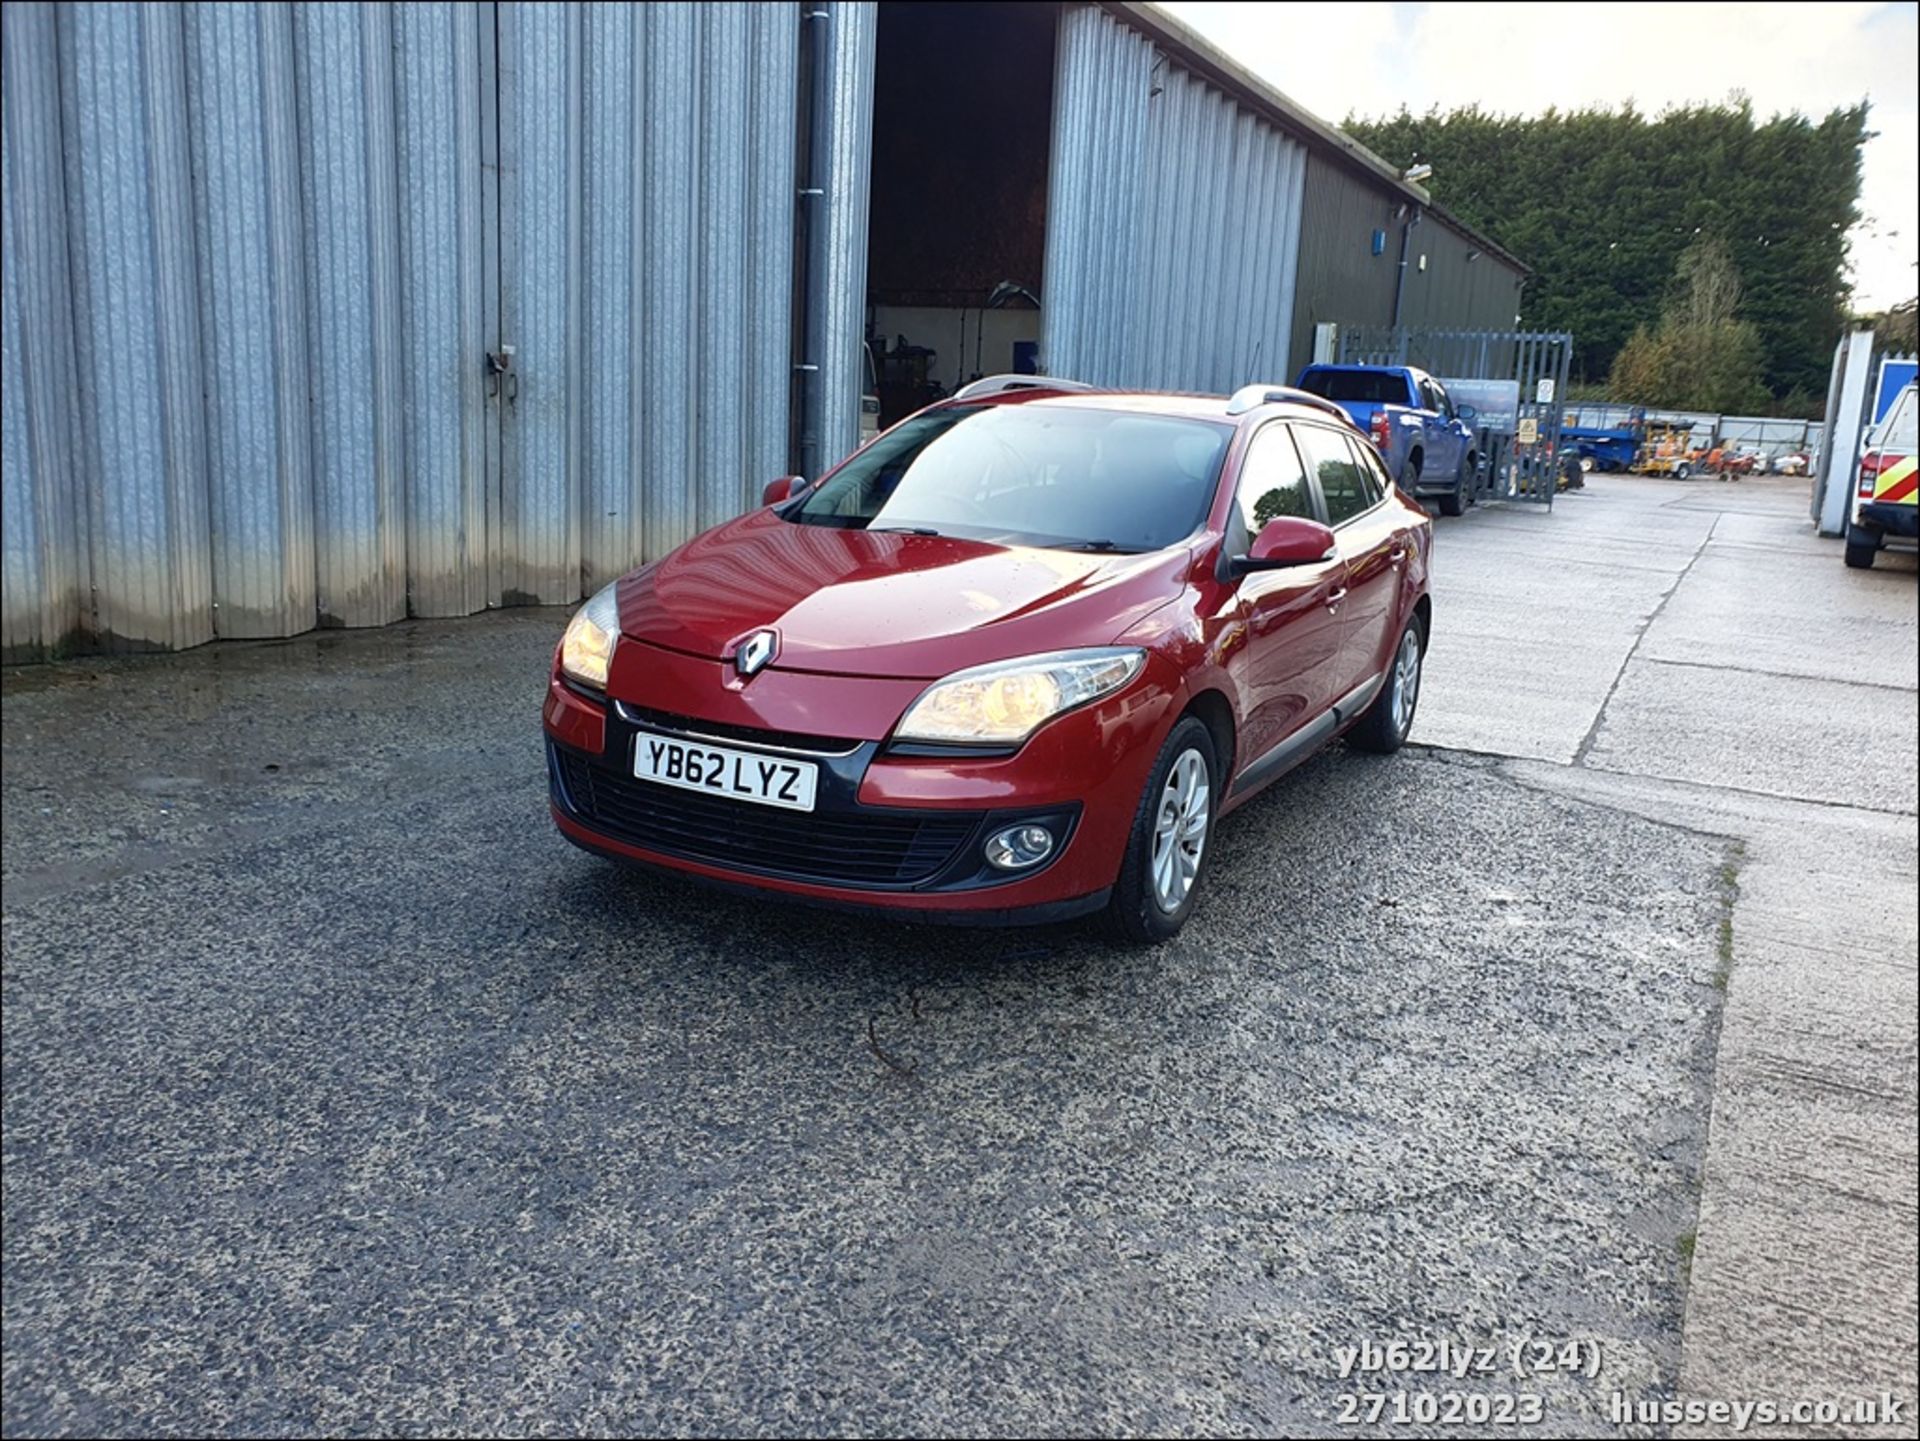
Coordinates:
x,y
722,771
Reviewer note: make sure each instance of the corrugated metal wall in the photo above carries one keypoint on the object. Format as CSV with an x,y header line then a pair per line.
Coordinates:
x,y
1342,280
1463,286
1173,222
256,255
841,306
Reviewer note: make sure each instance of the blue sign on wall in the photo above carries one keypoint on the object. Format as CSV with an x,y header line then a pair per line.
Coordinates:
x,y
1895,375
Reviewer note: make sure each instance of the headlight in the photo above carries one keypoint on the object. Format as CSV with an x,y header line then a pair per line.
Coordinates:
x,y
1003,703
587,647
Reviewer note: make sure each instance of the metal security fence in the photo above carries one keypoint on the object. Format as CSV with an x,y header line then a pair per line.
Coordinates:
x,y
1772,435
1524,463
330,314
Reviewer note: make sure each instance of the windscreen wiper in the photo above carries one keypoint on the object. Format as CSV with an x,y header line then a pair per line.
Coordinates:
x,y
1100,545
904,529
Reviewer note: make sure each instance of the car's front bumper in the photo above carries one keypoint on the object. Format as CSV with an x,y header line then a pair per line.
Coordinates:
x,y
904,834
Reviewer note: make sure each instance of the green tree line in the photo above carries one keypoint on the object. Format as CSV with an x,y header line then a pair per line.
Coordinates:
x,y
1603,204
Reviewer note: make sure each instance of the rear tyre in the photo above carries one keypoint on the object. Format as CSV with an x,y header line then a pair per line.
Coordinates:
x,y
1409,477
1862,547
1457,502
1683,471
1168,846
1383,729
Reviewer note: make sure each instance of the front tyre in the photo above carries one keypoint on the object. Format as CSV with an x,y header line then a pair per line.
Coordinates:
x,y
1383,729
1167,847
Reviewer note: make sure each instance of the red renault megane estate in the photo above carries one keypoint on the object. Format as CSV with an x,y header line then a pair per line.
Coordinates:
x,y
1009,662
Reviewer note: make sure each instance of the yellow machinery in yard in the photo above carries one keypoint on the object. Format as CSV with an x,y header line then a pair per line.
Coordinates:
x,y
1667,450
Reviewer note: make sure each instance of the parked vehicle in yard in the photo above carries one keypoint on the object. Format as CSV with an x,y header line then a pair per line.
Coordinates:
x,y
1667,449
1601,448
1009,662
1426,442
1886,498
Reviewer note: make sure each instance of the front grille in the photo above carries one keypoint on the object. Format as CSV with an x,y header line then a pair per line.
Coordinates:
x,y
752,735
857,848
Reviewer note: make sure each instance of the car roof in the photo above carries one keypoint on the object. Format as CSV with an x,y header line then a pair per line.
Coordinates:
x,y
1182,404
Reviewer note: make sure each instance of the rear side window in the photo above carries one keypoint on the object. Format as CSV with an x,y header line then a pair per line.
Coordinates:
x,y
1272,483
1343,484
1373,472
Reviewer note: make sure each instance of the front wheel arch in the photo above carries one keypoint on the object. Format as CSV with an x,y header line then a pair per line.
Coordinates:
x,y
1216,714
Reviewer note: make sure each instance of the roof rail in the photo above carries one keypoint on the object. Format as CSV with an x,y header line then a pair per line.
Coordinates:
x,y
1000,384
1252,397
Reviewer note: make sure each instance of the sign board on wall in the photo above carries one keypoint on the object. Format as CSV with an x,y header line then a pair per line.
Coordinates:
x,y
1894,374
1496,403
1543,392
1529,431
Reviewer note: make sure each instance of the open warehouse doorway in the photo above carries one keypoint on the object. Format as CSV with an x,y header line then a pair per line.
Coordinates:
x,y
957,228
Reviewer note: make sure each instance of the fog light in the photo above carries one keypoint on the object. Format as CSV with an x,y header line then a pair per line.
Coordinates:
x,y
1018,847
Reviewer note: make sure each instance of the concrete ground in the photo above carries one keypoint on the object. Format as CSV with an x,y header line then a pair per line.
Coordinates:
x,y
1694,654
341,1095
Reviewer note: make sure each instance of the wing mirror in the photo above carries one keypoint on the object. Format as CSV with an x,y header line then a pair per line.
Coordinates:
x,y
1286,540
785,487
1465,412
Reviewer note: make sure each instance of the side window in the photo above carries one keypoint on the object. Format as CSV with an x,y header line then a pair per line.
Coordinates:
x,y
1442,402
1272,481
1333,464
1373,470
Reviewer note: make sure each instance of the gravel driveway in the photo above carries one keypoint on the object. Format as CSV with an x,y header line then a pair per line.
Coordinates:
x,y
344,1096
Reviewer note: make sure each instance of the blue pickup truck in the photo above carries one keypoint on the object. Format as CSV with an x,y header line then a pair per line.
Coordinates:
x,y
1427,443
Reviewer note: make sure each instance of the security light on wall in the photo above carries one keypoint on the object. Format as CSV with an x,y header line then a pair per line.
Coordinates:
x,y
1417,172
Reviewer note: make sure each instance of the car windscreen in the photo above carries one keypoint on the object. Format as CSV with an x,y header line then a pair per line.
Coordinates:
x,y
1367,386
1030,474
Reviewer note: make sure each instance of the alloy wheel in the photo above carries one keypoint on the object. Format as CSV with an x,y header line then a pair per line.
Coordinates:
x,y
1406,680
1180,830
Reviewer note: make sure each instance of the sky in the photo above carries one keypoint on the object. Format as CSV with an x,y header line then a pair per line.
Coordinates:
x,y
1369,59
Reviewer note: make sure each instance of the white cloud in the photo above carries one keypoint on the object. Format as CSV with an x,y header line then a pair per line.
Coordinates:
x,y
1370,59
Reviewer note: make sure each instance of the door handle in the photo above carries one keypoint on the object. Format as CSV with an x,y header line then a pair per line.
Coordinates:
x,y
500,363
1335,597
1397,554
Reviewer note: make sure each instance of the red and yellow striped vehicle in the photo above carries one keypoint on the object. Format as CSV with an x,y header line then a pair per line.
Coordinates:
x,y
1886,499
